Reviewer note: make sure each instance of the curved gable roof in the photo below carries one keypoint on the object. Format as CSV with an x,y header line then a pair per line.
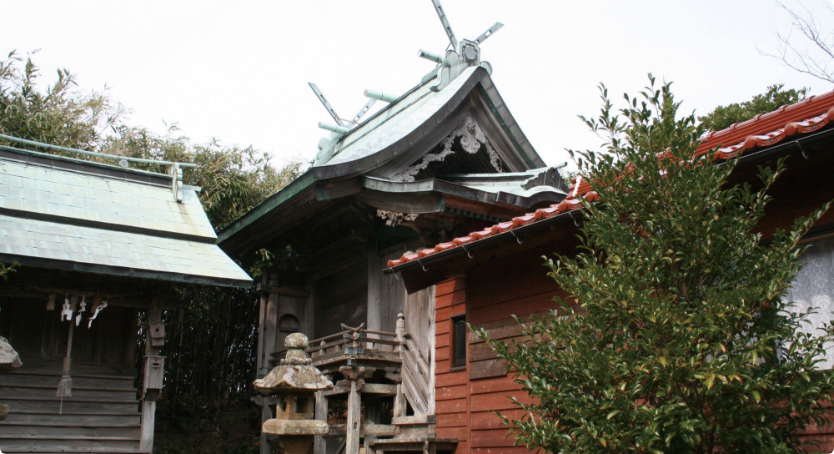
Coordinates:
x,y
393,134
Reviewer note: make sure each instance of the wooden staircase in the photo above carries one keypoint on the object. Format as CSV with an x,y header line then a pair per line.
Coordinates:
x,y
415,378
102,416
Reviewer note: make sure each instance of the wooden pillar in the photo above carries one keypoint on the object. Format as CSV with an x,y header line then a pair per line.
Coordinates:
x,y
400,403
319,441
270,328
309,322
399,400
154,314
262,361
369,448
130,346
352,426
148,415
429,448
266,414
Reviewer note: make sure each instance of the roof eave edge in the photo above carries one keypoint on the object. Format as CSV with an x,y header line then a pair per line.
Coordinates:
x,y
275,200
750,158
125,272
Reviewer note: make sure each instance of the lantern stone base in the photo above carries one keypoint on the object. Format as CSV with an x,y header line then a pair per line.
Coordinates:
x,y
295,436
295,427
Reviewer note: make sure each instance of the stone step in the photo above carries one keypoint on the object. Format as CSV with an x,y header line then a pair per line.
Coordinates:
x,y
70,419
59,430
72,450
69,443
78,393
78,367
51,380
75,450
71,406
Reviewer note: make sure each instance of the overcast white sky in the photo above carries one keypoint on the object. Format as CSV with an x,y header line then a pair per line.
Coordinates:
x,y
238,70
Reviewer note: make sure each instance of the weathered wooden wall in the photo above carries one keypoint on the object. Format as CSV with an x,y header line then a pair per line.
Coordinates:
x,y
341,297
386,292
40,335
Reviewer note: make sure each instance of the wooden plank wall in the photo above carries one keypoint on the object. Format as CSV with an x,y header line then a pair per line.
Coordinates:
x,y
386,292
451,385
466,396
517,284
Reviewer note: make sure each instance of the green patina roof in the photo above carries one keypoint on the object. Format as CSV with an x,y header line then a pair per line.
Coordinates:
x,y
389,135
65,213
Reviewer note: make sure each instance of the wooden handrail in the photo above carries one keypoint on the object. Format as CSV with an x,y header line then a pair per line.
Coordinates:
x,y
326,338
326,345
379,333
341,334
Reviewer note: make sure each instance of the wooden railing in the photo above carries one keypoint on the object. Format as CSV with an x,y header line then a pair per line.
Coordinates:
x,y
353,341
398,346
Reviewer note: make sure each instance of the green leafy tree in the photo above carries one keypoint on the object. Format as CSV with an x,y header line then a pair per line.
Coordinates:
x,y
676,336
775,97
233,179
61,115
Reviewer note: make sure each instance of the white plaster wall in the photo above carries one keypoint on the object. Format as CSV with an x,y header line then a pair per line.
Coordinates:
x,y
814,287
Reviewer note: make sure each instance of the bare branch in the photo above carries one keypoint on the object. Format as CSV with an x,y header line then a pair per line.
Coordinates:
x,y
813,52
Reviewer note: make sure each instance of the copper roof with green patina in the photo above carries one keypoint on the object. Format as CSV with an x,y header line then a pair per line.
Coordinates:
x,y
65,213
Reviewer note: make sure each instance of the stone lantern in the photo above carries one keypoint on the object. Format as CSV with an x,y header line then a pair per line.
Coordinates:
x,y
294,384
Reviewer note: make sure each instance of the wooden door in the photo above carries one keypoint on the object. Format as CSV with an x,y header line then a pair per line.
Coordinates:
x,y
386,292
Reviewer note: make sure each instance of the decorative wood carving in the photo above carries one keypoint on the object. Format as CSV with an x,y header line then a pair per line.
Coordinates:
x,y
472,138
393,218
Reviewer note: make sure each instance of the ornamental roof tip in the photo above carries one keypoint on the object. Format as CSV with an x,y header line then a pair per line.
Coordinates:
x,y
459,56
804,117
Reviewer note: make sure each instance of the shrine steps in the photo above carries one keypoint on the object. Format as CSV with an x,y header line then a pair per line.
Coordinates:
x,y
102,416
415,434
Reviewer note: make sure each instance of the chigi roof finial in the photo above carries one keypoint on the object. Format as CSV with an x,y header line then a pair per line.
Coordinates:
x,y
458,56
461,55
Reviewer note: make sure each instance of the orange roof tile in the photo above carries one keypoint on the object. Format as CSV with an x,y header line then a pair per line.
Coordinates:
x,y
764,130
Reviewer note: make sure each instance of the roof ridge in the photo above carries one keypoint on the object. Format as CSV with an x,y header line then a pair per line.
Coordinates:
x,y
813,105
804,117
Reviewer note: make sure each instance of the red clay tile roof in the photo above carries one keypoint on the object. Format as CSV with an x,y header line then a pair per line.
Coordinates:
x,y
764,130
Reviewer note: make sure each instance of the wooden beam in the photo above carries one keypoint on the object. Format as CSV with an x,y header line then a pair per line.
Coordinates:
x,y
352,429
154,314
367,388
319,441
375,430
286,291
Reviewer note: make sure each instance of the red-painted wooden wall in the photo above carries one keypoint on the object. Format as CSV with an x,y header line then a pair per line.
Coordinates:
x,y
467,395
502,283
